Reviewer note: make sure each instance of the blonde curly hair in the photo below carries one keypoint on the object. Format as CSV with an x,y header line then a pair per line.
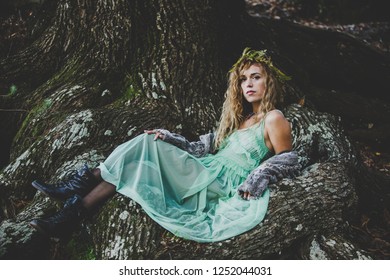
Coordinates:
x,y
235,107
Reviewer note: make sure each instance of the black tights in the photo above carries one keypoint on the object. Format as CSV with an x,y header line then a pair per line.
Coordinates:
x,y
99,194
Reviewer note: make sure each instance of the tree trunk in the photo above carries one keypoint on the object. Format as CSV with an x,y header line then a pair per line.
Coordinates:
x,y
103,71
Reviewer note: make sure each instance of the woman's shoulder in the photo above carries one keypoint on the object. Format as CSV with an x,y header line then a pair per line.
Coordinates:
x,y
275,120
278,132
274,116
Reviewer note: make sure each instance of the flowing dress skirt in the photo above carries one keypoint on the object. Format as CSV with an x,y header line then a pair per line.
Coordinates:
x,y
194,198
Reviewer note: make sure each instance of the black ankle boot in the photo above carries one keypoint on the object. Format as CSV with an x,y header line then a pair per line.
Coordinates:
x,y
64,222
80,183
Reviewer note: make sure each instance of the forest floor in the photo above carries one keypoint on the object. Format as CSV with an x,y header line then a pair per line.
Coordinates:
x,y
373,228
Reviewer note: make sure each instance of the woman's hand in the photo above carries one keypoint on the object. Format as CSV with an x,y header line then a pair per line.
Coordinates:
x,y
246,195
157,136
245,192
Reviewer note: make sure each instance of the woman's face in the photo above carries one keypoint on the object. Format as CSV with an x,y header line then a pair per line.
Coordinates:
x,y
253,84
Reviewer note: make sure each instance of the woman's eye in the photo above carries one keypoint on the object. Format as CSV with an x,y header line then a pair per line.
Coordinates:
x,y
256,77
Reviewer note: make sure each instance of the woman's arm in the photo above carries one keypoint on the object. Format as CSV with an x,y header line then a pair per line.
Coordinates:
x,y
277,136
284,165
277,132
197,148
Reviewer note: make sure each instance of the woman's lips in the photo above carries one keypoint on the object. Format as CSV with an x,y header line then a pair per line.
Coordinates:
x,y
250,92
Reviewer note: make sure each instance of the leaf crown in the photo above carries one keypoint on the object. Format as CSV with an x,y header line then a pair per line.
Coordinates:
x,y
261,57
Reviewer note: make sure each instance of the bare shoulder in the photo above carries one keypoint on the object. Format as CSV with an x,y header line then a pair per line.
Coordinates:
x,y
277,132
275,118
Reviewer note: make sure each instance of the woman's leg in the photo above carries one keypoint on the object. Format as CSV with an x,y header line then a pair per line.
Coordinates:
x,y
98,195
81,183
62,223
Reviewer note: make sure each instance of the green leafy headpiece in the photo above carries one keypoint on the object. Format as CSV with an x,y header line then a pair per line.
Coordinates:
x,y
261,57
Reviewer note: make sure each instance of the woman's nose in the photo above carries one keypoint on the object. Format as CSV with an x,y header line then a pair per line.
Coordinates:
x,y
249,83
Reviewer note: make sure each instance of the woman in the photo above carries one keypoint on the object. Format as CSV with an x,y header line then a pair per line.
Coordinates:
x,y
205,191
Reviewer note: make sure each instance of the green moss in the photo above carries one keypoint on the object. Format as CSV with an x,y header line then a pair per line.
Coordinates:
x,y
29,133
12,90
130,93
132,89
80,248
67,74
37,111
46,104
40,109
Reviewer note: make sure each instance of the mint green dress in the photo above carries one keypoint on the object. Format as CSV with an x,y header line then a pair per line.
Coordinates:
x,y
194,198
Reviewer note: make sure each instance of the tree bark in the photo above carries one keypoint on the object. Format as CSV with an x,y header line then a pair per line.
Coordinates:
x,y
103,71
